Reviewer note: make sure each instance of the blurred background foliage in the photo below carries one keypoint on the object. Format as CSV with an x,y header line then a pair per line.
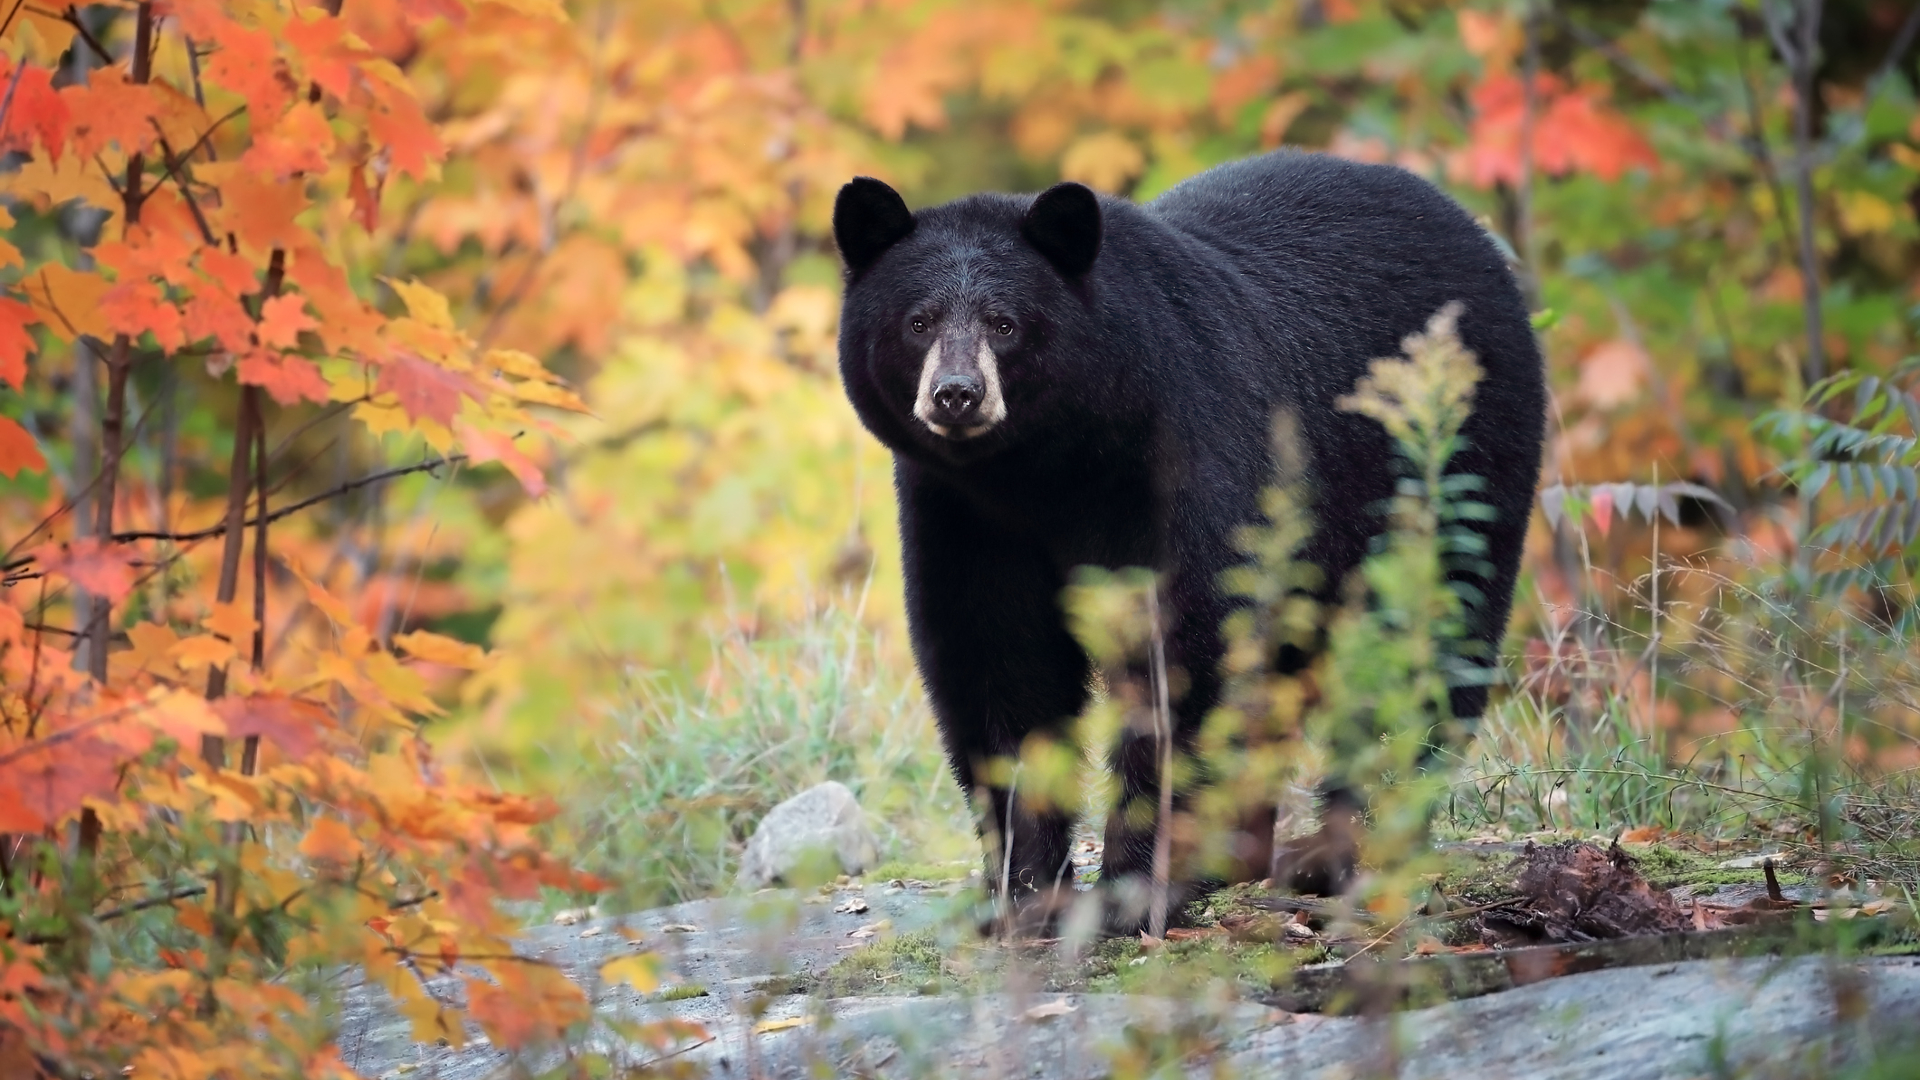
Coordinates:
x,y
646,204
638,194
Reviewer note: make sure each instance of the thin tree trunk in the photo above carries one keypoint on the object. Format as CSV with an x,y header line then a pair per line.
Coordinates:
x,y
1805,60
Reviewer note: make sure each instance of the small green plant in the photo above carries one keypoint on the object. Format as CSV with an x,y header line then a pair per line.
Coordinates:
x,y
668,799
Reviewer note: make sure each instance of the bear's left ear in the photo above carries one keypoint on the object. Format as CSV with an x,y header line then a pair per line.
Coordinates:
x,y
1064,224
868,218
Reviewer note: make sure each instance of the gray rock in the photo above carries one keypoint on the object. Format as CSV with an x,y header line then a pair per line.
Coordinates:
x,y
825,816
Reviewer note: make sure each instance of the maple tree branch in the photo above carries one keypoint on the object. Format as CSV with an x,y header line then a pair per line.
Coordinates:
x,y
71,16
13,84
5,26
313,500
1803,60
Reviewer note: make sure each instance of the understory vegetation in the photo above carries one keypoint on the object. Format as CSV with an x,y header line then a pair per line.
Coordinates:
x,y
429,507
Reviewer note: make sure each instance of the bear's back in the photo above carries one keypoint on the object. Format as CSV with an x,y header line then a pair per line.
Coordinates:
x,y
1340,260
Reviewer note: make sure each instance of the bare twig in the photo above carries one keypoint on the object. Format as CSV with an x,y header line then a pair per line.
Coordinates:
x,y
335,492
1163,733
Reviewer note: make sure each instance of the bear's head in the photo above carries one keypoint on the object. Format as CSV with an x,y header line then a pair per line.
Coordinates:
x,y
959,320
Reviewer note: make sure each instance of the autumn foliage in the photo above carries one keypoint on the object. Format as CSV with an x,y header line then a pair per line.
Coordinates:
x,y
286,280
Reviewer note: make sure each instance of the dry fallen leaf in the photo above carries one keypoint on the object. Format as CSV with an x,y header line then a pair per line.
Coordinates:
x,y
765,1026
680,928
1148,942
593,931
1049,1010
871,929
575,915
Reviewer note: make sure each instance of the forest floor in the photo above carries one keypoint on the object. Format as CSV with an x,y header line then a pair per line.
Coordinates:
x,y
1673,963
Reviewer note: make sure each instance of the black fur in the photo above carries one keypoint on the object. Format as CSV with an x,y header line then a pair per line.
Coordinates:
x,y
1152,347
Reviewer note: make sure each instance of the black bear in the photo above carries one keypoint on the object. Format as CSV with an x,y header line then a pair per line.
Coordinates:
x,y
1069,379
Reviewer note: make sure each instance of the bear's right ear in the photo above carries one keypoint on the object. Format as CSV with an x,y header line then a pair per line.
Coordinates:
x,y
1064,224
868,218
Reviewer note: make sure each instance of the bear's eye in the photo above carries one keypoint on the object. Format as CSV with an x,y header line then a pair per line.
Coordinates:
x,y
919,326
1005,328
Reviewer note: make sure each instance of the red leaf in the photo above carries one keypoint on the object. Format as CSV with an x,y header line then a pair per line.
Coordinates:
x,y
49,782
38,109
287,378
15,342
366,200
427,389
18,450
1574,132
1603,509
485,446
282,318
102,569
295,725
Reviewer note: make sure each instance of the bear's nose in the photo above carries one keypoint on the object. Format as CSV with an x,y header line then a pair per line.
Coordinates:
x,y
956,398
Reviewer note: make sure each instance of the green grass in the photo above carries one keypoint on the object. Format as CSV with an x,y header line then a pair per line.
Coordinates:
x,y
665,804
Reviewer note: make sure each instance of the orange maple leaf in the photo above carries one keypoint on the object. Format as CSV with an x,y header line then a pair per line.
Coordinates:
x,y
485,446
234,273
110,109
213,314
427,390
248,65
137,307
18,450
260,211
282,318
329,840
287,378
299,142
397,123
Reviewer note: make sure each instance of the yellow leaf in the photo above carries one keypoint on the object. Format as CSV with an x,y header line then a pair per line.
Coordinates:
x,y
1863,212
403,686
545,9
202,650
640,971
185,716
1907,156
329,840
518,364
68,301
433,1021
230,802
1106,161
230,622
438,649
9,255
540,393
49,183
423,303
151,643
765,1026
334,607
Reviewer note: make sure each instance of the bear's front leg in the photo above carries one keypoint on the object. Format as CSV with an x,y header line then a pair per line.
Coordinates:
x,y
1000,666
